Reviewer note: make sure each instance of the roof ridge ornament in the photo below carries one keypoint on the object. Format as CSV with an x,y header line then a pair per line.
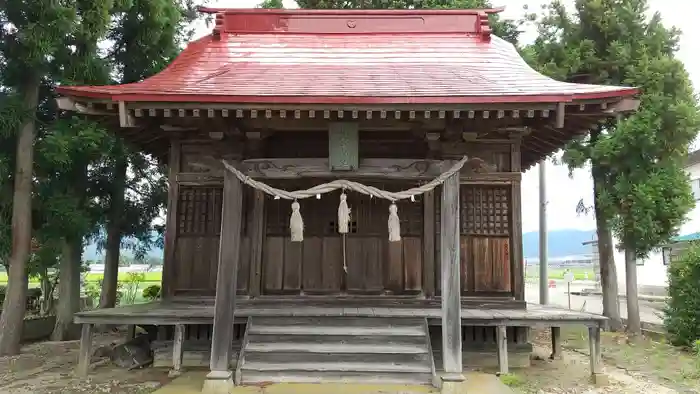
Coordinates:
x,y
484,27
218,26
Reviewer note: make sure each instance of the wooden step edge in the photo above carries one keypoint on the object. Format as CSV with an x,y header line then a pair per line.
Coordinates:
x,y
268,330
301,377
339,367
354,349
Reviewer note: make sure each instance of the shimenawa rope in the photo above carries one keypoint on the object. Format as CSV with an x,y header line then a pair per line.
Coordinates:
x,y
296,223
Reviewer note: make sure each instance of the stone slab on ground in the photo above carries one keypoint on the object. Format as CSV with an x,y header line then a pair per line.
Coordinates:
x,y
476,383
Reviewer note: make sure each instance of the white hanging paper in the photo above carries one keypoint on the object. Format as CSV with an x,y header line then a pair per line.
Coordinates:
x,y
296,223
343,215
394,223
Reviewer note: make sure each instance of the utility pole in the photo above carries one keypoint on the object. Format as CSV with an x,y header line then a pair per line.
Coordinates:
x,y
544,290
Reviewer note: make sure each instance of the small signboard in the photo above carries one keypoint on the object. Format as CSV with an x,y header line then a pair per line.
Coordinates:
x,y
569,276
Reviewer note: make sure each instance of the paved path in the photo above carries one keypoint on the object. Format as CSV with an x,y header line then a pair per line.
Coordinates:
x,y
648,311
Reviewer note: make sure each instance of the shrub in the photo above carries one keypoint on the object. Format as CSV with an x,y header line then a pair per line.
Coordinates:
x,y
151,292
682,311
3,289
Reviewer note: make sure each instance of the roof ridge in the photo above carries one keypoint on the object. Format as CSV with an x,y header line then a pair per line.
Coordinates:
x,y
351,22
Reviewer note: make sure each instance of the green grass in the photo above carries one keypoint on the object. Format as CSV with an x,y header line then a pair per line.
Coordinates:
x,y
93,277
558,273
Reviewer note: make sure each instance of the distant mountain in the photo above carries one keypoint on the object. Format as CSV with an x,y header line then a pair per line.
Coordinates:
x,y
560,243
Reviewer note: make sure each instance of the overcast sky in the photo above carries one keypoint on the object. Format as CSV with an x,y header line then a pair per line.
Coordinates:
x,y
565,192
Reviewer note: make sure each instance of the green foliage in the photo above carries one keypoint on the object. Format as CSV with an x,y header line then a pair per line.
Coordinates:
x,y
131,286
682,311
271,4
639,161
506,29
152,292
94,288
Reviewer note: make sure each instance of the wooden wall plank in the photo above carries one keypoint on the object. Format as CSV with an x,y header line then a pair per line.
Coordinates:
x,y
356,265
332,264
244,267
413,264
394,266
492,270
312,255
373,257
274,264
293,254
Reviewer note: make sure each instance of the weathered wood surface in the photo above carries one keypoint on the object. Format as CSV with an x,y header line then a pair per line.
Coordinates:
x,y
85,355
556,343
178,350
450,276
229,256
502,349
172,313
174,163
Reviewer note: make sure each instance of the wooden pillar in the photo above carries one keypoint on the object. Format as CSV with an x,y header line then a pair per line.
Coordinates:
x,y
174,159
597,375
450,277
220,377
502,349
257,242
556,343
178,342
429,243
85,356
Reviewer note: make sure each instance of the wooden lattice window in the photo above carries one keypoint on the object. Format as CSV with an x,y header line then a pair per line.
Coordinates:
x,y
199,211
484,210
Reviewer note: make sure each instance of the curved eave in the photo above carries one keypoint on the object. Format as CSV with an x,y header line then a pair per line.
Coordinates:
x,y
79,91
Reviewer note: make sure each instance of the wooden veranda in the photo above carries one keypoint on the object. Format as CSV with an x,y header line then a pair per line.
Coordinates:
x,y
184,313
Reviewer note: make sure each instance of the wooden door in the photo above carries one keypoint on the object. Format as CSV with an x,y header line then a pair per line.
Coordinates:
x,y
361,262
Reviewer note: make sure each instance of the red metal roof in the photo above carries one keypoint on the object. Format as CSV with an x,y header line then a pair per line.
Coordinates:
x,y
350,57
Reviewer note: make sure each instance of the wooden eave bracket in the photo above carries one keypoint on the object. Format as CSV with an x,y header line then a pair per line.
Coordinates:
x,y
66,103
624,105
126,119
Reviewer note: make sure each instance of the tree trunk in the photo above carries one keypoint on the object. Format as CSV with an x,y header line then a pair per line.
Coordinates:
x,y
108,295
14,306
608,271
634,324
68,291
